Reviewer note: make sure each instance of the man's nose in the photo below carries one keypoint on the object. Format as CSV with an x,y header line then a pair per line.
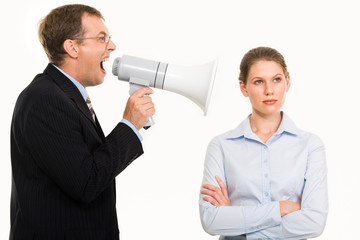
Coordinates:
x,y
111,46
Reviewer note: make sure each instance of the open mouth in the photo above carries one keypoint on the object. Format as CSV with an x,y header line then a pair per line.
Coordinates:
x,y
102,65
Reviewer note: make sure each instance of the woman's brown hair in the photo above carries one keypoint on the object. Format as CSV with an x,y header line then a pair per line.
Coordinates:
x,y
257,54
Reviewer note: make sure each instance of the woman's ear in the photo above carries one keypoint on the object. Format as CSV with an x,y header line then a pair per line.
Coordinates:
x,y
243,89
288,83
71,48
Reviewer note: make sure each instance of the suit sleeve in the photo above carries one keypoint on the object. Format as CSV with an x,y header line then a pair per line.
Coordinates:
x,y
63,147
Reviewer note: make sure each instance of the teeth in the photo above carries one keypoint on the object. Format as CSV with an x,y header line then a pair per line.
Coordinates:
x,y
105,60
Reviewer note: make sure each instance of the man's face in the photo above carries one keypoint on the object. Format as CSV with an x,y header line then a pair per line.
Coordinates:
x,y
93,52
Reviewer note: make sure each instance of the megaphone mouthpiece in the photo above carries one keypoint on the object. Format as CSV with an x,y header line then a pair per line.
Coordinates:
x,y
116,66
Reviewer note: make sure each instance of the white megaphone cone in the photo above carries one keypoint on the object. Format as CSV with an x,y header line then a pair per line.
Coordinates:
x,y
195,82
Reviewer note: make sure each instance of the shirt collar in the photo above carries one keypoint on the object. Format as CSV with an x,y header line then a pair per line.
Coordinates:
x,y
244,129
287,125
79,86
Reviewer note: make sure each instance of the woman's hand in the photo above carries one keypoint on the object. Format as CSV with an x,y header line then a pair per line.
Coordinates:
x,y
287,207
216,196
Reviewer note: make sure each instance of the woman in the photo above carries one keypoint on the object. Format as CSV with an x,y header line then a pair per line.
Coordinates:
x,y
266,179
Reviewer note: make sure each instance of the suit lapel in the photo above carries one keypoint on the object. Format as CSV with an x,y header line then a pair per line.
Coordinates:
x,y
99,129
73,93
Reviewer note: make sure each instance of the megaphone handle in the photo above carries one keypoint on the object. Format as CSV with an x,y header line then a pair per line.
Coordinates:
x,y
133,88
149,123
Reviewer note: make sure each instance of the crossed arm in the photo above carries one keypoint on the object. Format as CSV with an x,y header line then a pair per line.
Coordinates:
x,y
274,219
218,196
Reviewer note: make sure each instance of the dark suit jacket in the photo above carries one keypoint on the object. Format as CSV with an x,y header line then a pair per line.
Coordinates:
x,y
63,167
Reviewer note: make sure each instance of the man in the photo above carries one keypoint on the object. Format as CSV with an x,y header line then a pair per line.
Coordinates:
x,y
63,166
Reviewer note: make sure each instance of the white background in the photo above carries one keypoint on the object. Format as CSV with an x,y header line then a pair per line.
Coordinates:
x,y
157,196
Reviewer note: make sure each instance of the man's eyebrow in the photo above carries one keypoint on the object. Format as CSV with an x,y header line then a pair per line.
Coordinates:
x,y
102,32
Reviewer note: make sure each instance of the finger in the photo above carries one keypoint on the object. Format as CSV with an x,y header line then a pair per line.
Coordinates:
x,y
222,186
210,187
217,195
148,107
216,192
212,201
145,100
209,193
140,102
143,91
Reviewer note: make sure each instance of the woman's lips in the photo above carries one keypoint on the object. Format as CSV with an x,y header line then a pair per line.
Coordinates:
x,y
270,101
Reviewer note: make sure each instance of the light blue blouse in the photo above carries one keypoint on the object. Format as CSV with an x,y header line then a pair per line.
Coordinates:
x,y
291,165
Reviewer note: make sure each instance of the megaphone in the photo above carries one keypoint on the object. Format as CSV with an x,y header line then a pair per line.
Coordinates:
x,y
193,82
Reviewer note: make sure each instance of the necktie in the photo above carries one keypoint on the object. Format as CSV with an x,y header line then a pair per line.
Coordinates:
x,y
88,102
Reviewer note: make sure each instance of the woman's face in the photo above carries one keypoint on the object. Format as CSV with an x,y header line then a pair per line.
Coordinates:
x,y
266,87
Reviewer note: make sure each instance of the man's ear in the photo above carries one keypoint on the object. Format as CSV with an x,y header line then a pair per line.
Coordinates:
x,y
71,47
243,89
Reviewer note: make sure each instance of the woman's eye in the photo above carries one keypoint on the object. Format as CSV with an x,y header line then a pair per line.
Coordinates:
x,y
257,82
277,79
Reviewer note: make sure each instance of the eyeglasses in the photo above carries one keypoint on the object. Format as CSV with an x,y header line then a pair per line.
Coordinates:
x,y
104,39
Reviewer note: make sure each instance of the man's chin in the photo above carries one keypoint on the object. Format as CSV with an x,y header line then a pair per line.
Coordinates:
x,y
99,81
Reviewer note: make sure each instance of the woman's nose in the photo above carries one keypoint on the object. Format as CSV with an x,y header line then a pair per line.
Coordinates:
x,y
269,89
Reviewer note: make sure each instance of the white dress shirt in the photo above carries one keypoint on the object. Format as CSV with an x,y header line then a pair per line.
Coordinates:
x,y
291,165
